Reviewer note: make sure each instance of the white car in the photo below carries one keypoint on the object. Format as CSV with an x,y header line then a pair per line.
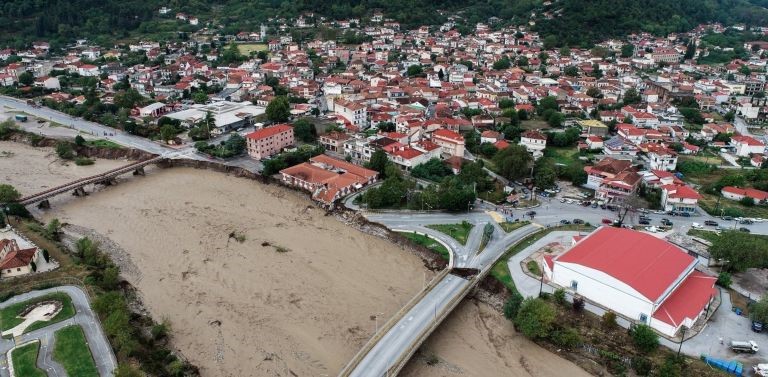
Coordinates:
x,y
696,226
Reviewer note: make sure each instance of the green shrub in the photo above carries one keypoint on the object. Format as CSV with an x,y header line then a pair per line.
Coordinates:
x,y
644,338
642,366
724,280
512,306
609,320
64,150
559,296
566,337
83,161
535,318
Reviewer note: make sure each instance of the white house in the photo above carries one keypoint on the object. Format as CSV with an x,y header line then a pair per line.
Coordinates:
x,y
662,159
738,193
534,141
354,113
679,198
746,145
636,275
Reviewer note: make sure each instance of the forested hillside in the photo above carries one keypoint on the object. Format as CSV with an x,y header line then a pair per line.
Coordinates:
x,y
578,22
574,22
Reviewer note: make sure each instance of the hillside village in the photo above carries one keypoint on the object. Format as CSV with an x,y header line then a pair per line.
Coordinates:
x,y
363,114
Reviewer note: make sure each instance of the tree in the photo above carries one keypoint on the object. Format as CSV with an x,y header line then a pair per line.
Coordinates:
x,y
26,78
547,103
690,50
167,132
278,110
64,150
535,318
644,338
631,96
571,71
550,41
545,173
747,201
512,306
415,70
379,162
8,193
79,141
501,64
512,162
759,310
556,119
200,97
740,251
304,130
53,230
594,92
724,279
433,170
565,51
627,50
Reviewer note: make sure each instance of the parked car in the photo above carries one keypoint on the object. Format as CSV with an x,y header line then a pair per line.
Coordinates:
x,y
578,221
607,221
531,213
746,222
696,226
564,222
594,205
685,214
727,218
743,229
710,223
562,200
666,222
757,326
644,222
602,206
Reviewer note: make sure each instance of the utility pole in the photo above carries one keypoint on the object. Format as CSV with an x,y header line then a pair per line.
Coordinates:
x,y
683,329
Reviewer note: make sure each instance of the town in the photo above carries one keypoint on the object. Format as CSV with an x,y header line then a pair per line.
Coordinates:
x,y
620,189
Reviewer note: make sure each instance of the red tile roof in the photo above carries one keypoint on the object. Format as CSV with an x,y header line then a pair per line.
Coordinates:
x,y
750,192
17,258
647,264
688,300
268,131
448,134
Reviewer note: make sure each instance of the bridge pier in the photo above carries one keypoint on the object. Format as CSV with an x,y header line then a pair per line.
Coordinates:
x,y
45,204
80,191
139,171
108,182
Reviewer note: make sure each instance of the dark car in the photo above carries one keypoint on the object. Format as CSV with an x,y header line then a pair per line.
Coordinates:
x,y
644,222
578,221
531,213
743,229
666,222
564,222
594,205
757,326
602,206
710,223
685,214
727,218
746,222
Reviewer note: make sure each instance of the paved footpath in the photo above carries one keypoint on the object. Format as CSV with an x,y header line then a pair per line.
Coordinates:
x,y
105,360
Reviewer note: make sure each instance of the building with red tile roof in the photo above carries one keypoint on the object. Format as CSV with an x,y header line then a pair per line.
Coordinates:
x,y
737,193
15,261
269,141
451,141
636,275
328,178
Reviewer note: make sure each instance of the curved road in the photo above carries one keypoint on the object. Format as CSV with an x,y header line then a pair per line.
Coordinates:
x,y
394,348
84,317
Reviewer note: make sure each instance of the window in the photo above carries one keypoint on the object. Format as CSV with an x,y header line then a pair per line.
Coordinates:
x,y
18,269
574,285
643,318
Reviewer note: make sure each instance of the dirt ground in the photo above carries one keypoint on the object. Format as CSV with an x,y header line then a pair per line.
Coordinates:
x,y
294,298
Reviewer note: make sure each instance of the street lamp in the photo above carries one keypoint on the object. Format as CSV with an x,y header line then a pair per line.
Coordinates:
x,y
683,329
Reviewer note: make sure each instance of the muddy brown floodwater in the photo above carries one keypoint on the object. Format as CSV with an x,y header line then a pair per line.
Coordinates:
x,y
296,295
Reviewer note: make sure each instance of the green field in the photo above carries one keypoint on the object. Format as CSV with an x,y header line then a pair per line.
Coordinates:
x,y
9,316
25,359
71,351
247,48
459,232
428,243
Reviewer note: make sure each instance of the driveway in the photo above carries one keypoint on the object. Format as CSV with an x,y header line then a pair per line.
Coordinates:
x,y
84,317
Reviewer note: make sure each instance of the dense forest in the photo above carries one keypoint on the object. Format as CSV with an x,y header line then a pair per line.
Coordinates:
x,y
573,22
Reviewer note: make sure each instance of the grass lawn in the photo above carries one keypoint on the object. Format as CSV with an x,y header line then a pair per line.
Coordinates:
x,y
534,124
708,235
708,202
25,359
500,270
508,227
9,316
562,155
460,232
247,48
101,143
533,267
72,352
428,243
707,158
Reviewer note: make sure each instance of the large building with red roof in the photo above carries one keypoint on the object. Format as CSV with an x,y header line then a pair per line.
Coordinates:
x,y
269,141
636,275
328,178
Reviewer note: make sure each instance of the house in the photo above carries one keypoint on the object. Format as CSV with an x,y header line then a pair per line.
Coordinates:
x,y
15,261
451,142
328,178
593,127
334,141
679,198
594,142
534,142
737,193
354,113
405,156
269,141
490,137
661,158
612,179
619,146
745,146
636,275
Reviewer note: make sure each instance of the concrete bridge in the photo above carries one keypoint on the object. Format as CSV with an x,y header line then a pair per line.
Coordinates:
x,y
78,187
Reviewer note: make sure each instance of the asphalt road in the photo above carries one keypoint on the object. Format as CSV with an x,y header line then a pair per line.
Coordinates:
x,y
84,317
417,323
